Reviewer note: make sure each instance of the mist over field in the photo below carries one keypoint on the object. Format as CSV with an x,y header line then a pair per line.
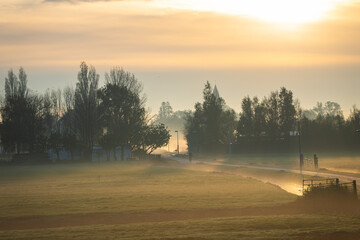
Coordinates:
x,y
179,119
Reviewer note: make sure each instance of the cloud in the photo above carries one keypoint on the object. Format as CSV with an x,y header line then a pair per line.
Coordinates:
x,y
120,32
76,1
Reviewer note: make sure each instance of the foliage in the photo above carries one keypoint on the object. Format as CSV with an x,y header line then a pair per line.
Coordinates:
x,y
165,111
75,120
287,111
123,115
115,115
246,123
209,126
154,136
86,115
321,110
23,116
274,116
173,120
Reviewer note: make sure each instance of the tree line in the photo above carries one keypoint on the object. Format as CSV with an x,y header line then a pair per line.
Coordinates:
x,y
272,124
77,119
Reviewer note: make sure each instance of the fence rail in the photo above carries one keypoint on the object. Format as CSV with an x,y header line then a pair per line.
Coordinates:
x,y
309,184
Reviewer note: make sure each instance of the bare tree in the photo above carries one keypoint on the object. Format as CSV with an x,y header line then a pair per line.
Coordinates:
x,y
69,99
11,84
69,136
119,77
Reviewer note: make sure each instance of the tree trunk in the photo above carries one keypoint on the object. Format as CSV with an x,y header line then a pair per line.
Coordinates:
x,y
114,150
57,155
122,152
107,155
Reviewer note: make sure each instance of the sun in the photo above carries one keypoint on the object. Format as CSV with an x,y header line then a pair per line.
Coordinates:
x,y
277,11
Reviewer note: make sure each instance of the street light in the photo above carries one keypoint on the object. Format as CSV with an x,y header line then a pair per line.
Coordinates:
x,y
177,134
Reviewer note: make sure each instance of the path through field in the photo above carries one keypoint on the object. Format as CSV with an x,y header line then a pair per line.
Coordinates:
x,y
344,178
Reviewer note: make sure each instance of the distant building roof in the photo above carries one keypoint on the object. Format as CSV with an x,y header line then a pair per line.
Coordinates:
x,y
216,92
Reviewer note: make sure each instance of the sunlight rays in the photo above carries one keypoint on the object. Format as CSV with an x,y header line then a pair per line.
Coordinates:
x,y
276,11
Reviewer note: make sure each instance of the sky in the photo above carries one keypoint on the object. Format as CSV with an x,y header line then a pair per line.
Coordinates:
x,y
175,46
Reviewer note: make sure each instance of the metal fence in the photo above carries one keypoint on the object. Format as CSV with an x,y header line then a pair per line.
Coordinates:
x,y
311,184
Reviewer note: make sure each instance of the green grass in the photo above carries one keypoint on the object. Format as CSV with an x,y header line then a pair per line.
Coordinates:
x,y
272,227
140,187
123,187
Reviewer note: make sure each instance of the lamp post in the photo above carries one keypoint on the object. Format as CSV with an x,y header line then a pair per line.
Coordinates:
x,y
177,137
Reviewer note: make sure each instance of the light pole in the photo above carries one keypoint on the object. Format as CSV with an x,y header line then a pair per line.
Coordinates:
x,y
177,137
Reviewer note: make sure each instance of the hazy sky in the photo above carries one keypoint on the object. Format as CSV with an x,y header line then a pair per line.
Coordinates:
x,y
175,46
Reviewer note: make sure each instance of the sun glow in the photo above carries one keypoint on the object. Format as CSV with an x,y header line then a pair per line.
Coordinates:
x,y
278,11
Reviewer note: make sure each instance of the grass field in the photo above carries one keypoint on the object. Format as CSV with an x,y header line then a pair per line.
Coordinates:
x,y
274,227
121,187
146,200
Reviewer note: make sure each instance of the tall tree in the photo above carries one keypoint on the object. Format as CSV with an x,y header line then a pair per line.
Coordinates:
x,y
86,104
22,115
122,110
287,111
208,126
69,136
165,112
272,114
119,77
332,109
246,122
259,117
212,113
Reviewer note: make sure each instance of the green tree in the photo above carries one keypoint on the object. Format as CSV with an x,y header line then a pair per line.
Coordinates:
x,y
155,136
287,111
86,112
246,122
272,114
208,127
22,116
332,109
69,136
259,117
165,112
122,110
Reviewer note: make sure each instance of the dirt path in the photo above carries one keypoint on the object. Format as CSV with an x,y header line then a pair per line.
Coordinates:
x,y
309,173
